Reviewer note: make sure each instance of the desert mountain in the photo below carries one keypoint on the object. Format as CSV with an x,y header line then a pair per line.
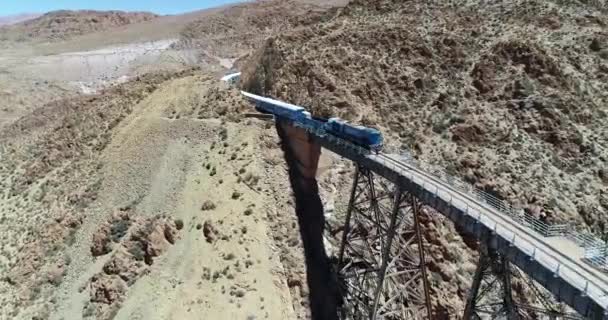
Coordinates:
x,y
65,24
236,30
6,20
154,197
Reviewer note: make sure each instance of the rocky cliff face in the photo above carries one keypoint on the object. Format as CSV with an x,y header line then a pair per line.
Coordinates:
x,y
509,96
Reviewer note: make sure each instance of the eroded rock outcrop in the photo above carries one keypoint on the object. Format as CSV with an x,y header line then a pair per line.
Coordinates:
x,y
135,242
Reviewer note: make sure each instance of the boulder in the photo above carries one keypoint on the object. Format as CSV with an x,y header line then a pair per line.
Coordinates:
x,y
107,289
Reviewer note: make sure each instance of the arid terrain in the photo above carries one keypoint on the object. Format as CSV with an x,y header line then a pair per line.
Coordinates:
x,y
134,186
12,19
510,96
61,25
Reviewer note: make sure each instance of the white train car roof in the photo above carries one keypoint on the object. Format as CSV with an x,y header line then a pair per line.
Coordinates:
x,y
231,76
272,101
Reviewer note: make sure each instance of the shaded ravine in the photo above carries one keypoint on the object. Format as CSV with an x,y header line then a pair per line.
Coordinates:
x,y
302,156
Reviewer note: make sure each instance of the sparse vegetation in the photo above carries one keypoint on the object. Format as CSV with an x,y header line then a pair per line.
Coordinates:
x,y
137,252
118,229
239,293
224,135
179,224
209,232
248,263
529,149
500,112
61,157
208,205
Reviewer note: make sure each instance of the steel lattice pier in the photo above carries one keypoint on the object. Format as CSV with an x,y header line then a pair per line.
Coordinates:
x,y
381,255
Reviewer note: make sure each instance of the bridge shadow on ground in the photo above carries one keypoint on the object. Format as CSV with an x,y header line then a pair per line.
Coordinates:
x,y
302,157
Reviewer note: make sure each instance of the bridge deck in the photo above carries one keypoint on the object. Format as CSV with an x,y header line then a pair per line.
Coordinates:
x,y
557,255
553,262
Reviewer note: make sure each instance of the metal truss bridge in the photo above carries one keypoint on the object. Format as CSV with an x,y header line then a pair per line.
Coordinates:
x,y
382,258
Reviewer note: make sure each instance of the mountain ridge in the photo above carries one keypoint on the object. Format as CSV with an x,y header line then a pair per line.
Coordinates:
x,y
66,24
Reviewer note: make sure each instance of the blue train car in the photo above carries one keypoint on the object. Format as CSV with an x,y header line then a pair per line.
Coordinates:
x,y
360,135
368,138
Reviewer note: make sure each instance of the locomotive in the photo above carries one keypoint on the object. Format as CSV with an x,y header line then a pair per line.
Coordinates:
x,y
363,136
368,138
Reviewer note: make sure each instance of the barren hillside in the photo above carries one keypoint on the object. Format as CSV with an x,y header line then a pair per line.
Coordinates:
x,y
236,30
510,96
61,25
6,20
155,198
149,198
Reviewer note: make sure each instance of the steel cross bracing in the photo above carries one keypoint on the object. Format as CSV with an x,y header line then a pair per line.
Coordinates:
x,y
570,280
551,309
381,262
491,293
559,260
381,259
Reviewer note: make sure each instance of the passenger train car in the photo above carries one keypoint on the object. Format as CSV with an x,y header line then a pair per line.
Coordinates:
x,y
232,78
365,137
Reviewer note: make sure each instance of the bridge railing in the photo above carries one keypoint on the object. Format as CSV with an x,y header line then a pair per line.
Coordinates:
x,y
595,250
549,258
597,256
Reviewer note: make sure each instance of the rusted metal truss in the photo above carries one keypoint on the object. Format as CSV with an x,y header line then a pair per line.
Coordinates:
x,y
381,259
491,294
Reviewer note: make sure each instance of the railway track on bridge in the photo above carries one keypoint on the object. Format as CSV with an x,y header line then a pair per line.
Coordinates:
x,y
602,278
502,237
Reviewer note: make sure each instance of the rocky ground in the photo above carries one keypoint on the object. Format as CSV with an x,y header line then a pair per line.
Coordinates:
x,y
147,195
152,196
170,211
510,96
235,31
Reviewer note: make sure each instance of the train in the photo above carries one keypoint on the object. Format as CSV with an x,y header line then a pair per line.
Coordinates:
x,y
365,137
232,78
